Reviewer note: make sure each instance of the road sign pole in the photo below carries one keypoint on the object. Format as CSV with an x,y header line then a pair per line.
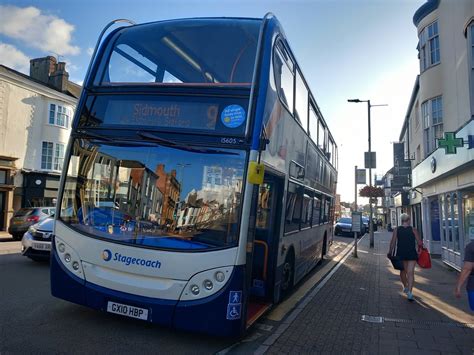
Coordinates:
x,y
355,210
371,224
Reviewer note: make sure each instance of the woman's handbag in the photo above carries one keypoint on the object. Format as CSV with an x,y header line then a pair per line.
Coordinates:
x,y
424,258
396,262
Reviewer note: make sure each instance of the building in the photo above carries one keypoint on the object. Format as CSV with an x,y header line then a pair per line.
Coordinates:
x,y
170,189
442,101
337,207
35,118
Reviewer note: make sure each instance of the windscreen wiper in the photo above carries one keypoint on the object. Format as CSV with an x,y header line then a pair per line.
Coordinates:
x,y
87,134
181,146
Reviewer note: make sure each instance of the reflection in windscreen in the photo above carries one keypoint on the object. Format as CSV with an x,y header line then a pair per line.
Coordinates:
x,y
154,196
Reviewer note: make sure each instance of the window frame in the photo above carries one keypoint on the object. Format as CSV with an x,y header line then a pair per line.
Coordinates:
x,y
60,112
470,56
430,128
303,121
280,49
426,49
57,162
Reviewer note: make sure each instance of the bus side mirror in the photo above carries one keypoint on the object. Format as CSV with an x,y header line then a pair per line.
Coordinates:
x,y
256,173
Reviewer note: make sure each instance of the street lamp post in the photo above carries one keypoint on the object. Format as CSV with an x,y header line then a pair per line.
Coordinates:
x,y
371,225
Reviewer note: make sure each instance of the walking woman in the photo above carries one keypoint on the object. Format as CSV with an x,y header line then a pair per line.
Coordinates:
x,y
406,239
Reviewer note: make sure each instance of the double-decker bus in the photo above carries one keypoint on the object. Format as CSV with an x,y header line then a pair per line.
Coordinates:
x,y
200,176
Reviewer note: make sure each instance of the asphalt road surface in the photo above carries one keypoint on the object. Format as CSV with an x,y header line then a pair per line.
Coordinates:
x,y
32,321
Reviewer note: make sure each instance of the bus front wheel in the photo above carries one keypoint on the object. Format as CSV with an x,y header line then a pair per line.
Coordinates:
x,y
288,274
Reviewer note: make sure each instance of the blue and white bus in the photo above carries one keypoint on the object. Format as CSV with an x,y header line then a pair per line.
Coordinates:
x,y
199,179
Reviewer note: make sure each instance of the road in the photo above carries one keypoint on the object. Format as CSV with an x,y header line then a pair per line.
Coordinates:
x,y
32,321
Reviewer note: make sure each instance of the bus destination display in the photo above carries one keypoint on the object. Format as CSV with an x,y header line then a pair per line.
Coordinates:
x,y
169,114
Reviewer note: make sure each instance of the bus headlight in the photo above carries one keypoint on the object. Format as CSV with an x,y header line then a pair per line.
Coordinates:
x,y
219,276
194,289
208,285
68,257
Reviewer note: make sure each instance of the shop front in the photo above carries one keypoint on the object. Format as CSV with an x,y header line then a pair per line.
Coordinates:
x,y
416,211
7,170
447,183
39,189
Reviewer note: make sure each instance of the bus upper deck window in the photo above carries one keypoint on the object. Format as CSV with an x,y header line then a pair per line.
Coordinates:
x,y
204,51
284,77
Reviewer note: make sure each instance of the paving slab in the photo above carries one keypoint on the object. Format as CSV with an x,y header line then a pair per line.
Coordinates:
x,y
331,321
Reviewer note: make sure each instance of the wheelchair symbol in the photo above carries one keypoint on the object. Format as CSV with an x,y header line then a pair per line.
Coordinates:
x,y
233,311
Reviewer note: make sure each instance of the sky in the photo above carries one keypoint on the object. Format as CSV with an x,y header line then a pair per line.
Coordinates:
x,y
363,49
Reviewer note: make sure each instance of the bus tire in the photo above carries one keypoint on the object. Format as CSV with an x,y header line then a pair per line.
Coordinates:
x,y
325,245
323,249
288,273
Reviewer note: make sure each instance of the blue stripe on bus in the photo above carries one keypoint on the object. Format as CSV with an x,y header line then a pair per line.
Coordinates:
x,y
264,76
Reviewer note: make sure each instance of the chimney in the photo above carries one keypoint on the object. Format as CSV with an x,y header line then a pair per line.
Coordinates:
x,y
60,77
160,169
41,68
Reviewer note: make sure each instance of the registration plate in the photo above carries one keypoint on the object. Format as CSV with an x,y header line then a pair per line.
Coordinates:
x,y
126,310
346,230
17,222
42,246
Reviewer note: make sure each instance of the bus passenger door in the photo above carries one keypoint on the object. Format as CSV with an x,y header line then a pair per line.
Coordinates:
x,y
267,231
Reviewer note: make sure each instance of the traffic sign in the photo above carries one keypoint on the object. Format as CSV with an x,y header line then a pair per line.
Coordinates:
x,y
361,176
370,163
356,221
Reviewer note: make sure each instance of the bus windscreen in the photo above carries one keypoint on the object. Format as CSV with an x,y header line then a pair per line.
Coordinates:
x,y
154,196
204,51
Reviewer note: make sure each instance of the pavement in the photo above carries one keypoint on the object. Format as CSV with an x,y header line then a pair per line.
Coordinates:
x,y
8,245
361,309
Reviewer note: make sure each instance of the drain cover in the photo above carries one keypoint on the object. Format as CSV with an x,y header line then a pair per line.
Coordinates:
x,y
377,319
372,319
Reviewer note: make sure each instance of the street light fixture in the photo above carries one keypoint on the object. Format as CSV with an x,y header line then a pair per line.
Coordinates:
x,y
371,225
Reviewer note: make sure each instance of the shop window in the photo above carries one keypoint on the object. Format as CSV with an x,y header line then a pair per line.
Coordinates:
x,y
468,211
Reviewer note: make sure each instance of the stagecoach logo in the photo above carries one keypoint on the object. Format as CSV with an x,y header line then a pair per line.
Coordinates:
x,y
129,260
106,255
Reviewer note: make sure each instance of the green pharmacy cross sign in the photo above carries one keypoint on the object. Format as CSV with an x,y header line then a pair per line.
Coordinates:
x,y
450,143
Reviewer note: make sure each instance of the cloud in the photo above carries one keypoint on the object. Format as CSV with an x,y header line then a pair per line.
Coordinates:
x,y
90,51
14,58
36,29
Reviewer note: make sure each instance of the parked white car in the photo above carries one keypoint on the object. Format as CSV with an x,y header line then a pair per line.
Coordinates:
x,y
36,241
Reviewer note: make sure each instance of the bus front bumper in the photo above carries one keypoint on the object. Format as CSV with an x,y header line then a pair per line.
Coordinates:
x,y
214,315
